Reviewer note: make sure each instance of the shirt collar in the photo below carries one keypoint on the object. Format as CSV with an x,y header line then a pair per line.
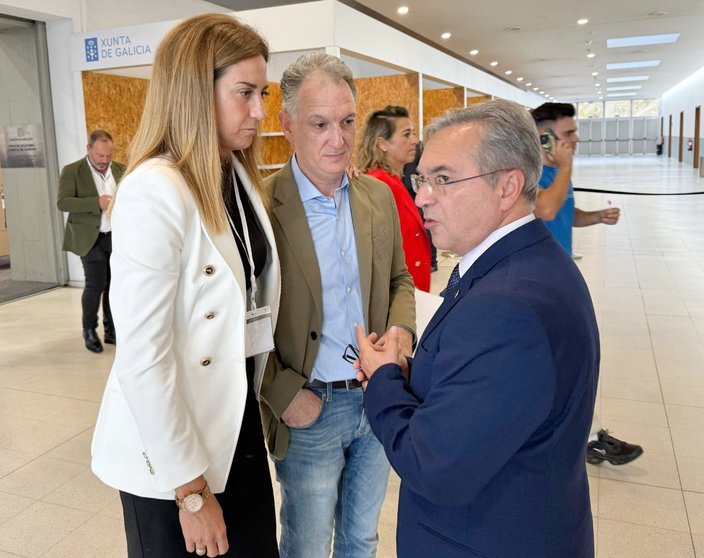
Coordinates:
x,y
306,188
108,171
473,255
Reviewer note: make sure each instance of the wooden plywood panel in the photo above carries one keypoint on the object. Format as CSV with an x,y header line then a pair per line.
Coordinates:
x,y
272,105
375,93
114,103
436,102
274,150
478,99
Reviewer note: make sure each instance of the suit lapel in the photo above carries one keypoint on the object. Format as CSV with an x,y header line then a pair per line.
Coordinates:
x,y
288,209
361,211
85,179
524,236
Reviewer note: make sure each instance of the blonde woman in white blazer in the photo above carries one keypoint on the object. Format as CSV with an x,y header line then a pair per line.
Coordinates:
x,y
179,431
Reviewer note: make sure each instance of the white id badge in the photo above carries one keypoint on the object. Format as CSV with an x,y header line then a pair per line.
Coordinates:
x,y
258,335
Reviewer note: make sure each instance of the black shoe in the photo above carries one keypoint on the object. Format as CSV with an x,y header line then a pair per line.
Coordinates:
x,y
92,341
608,448
109,337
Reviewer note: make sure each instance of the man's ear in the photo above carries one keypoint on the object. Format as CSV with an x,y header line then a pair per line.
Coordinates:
x,y
512,185
285,121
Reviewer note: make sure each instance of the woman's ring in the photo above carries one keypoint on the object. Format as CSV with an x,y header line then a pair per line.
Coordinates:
x,y
200,551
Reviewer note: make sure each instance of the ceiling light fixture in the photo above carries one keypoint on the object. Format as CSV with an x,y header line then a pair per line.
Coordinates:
x,y
590,55
519,79
474,52
403,10
494,63
642,40
536,88
528,84
628,65
627,78
582,21
620,94
446,35
595,73
597,85
624,88
508,72
541,92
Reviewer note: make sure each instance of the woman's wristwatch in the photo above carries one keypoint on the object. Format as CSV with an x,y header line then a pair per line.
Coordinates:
x,y
193,501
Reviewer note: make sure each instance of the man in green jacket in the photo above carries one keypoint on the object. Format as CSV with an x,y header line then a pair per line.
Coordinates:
x,y
85,190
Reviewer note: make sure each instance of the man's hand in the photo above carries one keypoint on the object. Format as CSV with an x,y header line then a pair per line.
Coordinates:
x,y
104,201
609,216
373,356
303,410
204,529
562,154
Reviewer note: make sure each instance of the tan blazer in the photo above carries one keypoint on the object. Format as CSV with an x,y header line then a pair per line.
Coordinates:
x,y
387,287
79,197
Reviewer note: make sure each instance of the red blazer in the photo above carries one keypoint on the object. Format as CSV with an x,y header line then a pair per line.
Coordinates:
x,y
416,245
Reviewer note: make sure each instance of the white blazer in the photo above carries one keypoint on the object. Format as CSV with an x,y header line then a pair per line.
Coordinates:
x,y
175,397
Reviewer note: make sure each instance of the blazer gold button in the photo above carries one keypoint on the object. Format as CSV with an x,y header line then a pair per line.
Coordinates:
x,y
209,270
209,315
417,264
205,361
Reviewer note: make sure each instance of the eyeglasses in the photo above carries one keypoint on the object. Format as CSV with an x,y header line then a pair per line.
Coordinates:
x,y
351,354
439,182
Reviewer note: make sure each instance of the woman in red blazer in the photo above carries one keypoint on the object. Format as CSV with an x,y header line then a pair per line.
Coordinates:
x,y
388,143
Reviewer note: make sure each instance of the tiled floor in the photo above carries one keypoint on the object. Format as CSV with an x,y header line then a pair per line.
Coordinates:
x,y
646,276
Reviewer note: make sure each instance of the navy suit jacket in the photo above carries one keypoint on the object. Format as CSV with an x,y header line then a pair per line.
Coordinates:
x,y
489,435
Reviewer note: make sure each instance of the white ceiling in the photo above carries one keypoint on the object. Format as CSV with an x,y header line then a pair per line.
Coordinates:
x,y
541,41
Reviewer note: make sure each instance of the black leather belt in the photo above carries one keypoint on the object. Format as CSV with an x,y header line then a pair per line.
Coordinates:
x,y
339,384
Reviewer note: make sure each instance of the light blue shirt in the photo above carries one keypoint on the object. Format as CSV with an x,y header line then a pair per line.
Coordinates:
x,y
330,223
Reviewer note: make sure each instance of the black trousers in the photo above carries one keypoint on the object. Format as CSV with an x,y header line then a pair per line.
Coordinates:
x,y
152,526
96,268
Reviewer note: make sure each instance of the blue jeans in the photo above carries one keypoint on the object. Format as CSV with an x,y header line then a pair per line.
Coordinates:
x,y
334,474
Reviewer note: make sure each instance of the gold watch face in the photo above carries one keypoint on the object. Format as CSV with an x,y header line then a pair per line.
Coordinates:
x,y
193,503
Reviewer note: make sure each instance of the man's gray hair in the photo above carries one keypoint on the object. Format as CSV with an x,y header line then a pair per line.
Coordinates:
x,y
307,65
509,140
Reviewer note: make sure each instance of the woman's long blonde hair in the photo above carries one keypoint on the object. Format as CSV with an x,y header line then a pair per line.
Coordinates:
x,y
380,124
179,120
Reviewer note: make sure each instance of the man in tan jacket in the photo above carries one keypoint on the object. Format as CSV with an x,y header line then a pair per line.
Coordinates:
x,y
342,263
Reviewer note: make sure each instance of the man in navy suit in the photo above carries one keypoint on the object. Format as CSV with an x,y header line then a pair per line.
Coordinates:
x,y
487,425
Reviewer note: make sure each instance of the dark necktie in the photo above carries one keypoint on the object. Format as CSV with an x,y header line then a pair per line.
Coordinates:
x,y
453,281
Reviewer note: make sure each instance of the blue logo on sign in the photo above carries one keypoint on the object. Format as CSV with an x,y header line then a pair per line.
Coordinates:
x,y
92,49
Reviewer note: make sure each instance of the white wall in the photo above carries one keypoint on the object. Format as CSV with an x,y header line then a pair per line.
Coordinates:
x,y
684,96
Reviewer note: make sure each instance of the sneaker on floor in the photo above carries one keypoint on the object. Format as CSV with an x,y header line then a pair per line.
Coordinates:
x,y
576,256
608,448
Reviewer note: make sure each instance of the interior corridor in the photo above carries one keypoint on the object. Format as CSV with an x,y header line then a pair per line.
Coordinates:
x,y
646,276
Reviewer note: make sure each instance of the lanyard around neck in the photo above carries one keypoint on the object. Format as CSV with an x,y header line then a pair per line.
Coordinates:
x,y
246,242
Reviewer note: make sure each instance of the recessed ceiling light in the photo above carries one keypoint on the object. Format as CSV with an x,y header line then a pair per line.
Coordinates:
x,y
541,92
528,84
474,52
536,88
508,72
620,94
446,35
582,21
590,55
627,65
494,63
655,14
595,73
402,10
642,40
624,88
626,78
547,95
519,79
601,98
597,85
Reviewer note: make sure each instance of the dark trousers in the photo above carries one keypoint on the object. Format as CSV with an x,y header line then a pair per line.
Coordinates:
x,y
96,268
153,528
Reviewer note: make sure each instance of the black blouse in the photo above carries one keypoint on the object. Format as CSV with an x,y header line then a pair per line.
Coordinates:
x,y
257,239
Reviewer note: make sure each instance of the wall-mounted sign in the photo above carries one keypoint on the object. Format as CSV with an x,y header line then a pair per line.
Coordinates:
x,y
22,146
114,48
